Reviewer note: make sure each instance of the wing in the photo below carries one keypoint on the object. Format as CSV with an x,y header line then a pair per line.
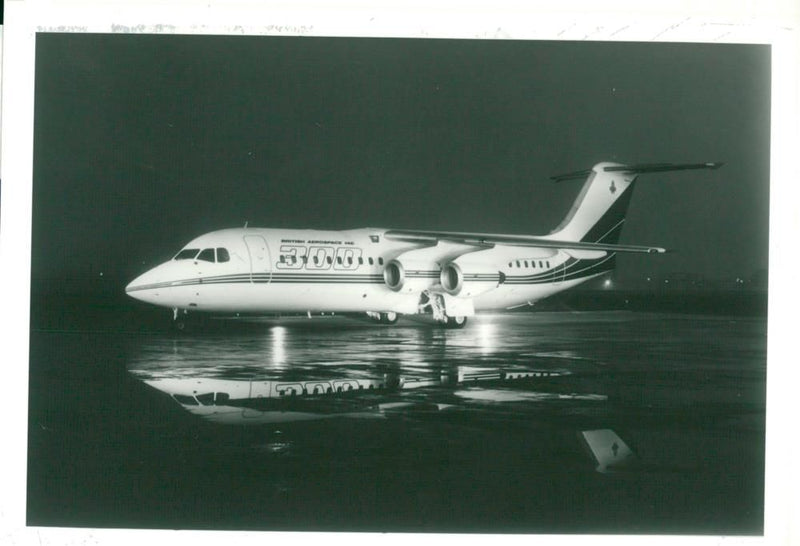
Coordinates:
x,y
487,240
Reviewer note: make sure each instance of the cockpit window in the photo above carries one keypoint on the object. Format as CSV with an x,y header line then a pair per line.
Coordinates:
x,y
222,255
187,254
206,399
207,255
185,400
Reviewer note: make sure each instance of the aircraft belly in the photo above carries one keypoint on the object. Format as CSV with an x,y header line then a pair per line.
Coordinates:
x,y
506,296
514,295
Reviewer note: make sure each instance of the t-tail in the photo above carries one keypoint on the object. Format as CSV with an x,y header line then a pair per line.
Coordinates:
x,y
598,214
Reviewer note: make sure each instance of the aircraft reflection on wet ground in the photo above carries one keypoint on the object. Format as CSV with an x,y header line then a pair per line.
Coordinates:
x,y
258,401
301,371
354,426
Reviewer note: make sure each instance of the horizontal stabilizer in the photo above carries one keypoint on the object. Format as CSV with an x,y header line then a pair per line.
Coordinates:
x,y
638,169
661,167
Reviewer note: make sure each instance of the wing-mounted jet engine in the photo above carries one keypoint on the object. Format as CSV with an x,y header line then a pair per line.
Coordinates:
x,y
408,276
468,280
420,269
420,272
450,301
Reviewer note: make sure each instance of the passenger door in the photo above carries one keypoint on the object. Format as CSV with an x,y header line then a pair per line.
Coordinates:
x,y
260,268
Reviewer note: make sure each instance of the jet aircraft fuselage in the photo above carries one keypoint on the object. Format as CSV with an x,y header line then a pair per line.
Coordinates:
x,y
390,272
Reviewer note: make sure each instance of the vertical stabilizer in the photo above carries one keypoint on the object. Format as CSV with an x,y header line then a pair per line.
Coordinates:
x,y
598,214
599,210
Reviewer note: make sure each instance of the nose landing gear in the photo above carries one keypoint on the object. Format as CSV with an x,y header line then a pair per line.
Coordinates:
x,y
455,322
179,319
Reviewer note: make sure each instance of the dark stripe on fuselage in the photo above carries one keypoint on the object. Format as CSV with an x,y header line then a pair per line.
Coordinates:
x,y
278,277
571,270
422,274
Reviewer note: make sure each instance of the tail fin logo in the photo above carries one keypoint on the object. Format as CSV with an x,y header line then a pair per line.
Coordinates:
x,y
612,188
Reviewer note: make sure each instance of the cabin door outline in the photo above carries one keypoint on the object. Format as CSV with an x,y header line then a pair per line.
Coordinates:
x,y
260,265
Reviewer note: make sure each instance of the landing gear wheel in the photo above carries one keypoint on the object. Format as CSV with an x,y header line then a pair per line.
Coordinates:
x,y
388,318
179,319
455,322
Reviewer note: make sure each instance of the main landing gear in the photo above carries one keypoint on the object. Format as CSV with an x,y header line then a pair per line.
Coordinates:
x,y
434,304
455,322
388,318
383,318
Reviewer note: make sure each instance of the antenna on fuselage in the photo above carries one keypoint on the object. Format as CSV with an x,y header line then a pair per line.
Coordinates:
x,y
245,223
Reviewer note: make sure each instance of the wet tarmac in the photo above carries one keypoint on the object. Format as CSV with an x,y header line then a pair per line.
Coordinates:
x,y
340,425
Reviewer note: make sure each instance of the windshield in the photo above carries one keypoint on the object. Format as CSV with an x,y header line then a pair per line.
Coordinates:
x,y
207,255
187,254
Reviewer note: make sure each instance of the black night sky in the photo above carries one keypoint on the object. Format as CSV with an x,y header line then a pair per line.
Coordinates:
x,y
143,142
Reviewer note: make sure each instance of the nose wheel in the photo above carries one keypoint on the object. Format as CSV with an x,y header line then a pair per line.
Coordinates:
x,y
179,318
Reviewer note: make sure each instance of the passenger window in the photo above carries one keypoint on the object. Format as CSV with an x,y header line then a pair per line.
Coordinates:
x,y
360,260
510,264
349,260
380,261
371,262
339,260
207,255
316,260
282,259
540,263
518,264
548,264
329,260
526,263
187,254
222,255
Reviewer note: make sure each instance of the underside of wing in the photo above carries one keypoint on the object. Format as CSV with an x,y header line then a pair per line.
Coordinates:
x,y
488,240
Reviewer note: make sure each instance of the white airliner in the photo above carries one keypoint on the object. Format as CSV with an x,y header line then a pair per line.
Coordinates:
x,y
386,273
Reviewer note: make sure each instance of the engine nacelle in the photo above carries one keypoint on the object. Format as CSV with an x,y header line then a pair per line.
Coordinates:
x,y
407,277
469,280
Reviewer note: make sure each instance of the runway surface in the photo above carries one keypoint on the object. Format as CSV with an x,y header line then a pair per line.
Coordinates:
x,y
339,425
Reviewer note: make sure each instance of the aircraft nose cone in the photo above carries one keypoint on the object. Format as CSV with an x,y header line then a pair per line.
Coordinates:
x,y
132,286
135,288
141,288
